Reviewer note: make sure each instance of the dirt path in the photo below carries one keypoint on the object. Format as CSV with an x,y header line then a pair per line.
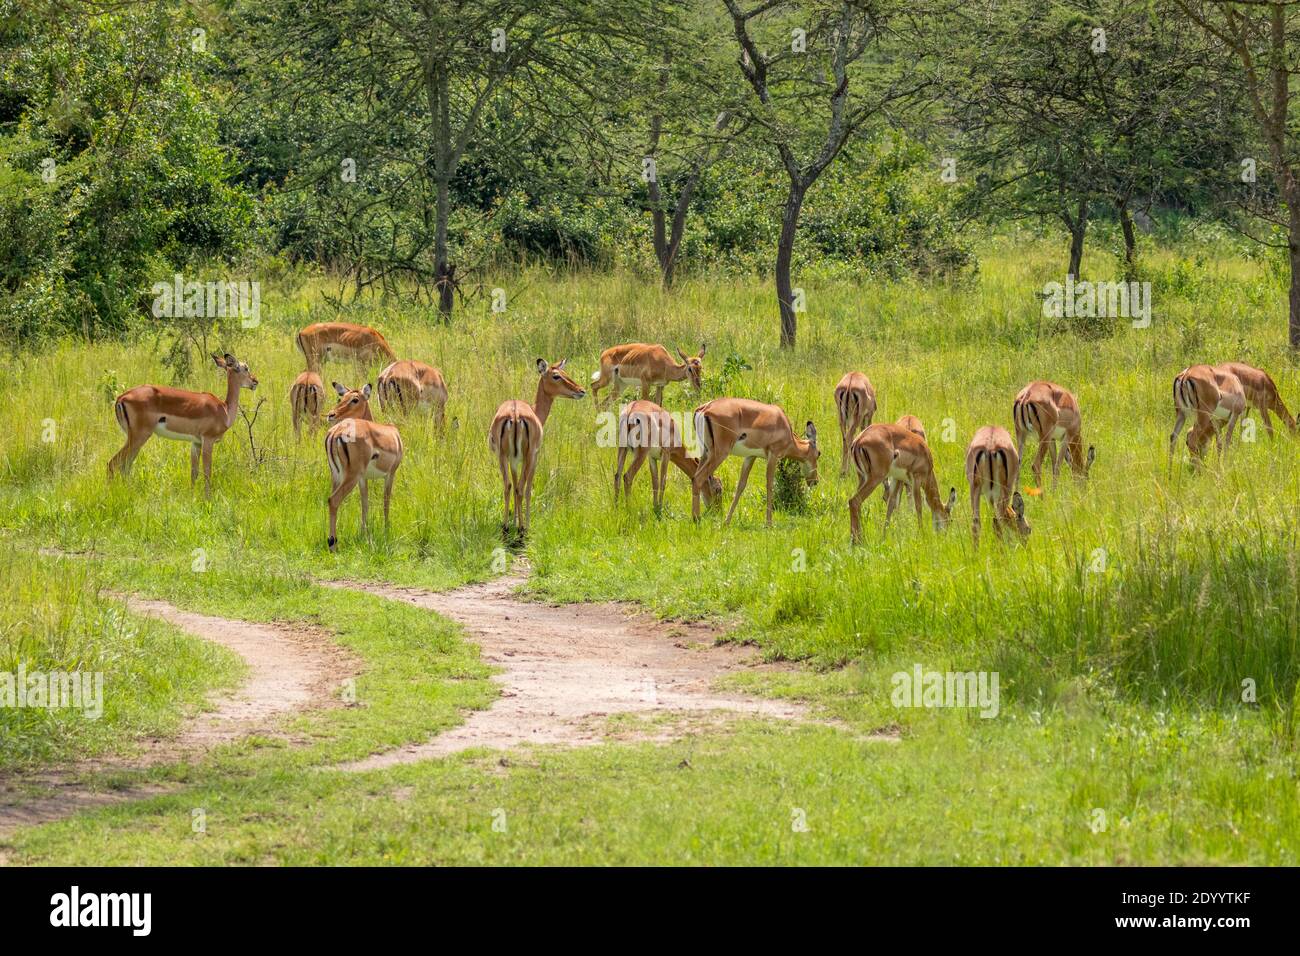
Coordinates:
x,y
290,669
567,667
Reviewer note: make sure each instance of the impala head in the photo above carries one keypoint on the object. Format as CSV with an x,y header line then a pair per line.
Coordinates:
x,y
694,367
1087,461
808,452
555,383
236,370
353,403
943,515
1017,511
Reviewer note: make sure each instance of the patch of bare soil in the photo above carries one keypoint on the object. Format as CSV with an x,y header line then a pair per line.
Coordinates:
x,y
565,668
290,669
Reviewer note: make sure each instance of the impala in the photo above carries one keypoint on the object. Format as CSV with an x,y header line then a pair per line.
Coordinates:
x,y
647,366
358,448
992,470
855,401
1051,414
196,417
1261,394
748,430
410,385
306,398
1216,397
515,437
651,432
886,451
913,425
342,341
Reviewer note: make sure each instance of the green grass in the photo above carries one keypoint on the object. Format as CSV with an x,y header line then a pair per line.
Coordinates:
x,y
1123,630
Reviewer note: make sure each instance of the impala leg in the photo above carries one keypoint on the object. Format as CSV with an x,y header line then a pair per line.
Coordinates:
x,y
618,470
740,487
341,491
663,480
388,494
207,467
194,463
363,487
440,415
1232,423
916,500
530,469
1038,463
844,449
701,480
892,502
659,396
1173,437
125,457
637,461
1268,422
517,481
975,514
1058,449
865,488
772,462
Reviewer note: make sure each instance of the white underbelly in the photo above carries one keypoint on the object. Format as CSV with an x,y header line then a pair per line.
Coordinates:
x,y
162,431
741,450
634,382
1221,411
1058,433
899,474
373,471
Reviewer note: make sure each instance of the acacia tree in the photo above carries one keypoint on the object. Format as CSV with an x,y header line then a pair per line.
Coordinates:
x,y
804,105
1263,37
417,81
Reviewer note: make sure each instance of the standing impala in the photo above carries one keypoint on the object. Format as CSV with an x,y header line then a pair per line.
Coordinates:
x,y
515,437
410,385
196,417
887,451
358,448
748,430
1051,414
1216,397
1261,394
651,432
992,470
342,341
855,401
306,398
647,366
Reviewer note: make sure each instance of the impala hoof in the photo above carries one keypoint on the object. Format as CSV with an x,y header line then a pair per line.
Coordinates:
x,y
332,542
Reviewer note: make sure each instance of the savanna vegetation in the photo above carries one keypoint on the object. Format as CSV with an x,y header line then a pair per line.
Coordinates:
x,y
809,189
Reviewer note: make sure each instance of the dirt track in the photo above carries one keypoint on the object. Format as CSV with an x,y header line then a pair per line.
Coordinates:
x,y
567,667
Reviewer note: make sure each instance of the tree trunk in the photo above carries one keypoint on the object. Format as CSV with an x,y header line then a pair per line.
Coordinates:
x,y
784,251
1293,249
1130,238
1078,226
443,271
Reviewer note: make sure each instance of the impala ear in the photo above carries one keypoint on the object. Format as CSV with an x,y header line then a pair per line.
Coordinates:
x,y
810,432
231,361
952,499
559,366
685,357
366,391
702,344
221,363
339,388
542,366
1018,505
1092,456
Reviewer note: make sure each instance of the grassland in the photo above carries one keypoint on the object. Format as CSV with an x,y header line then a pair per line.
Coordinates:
x,y
1123,630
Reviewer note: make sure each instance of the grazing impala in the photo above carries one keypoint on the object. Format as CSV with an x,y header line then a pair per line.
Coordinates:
x,y
196,417
342,341
992,470
855,401
358,448
1051,414
1261,394
648,431
306,398
912,424
410,385
887,451
647,366
1216,397
515,437
748,430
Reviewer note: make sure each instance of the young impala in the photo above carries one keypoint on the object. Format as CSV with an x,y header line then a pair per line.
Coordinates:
x,y
992,470
748,430
358,448
306,398
515,437
342,341
1261,394
1051,414
1216,397
855,401
650,432
409,385
647,366
887,451
195,417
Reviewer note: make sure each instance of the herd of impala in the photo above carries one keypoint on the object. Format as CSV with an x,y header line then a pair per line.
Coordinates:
x,y
358,448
